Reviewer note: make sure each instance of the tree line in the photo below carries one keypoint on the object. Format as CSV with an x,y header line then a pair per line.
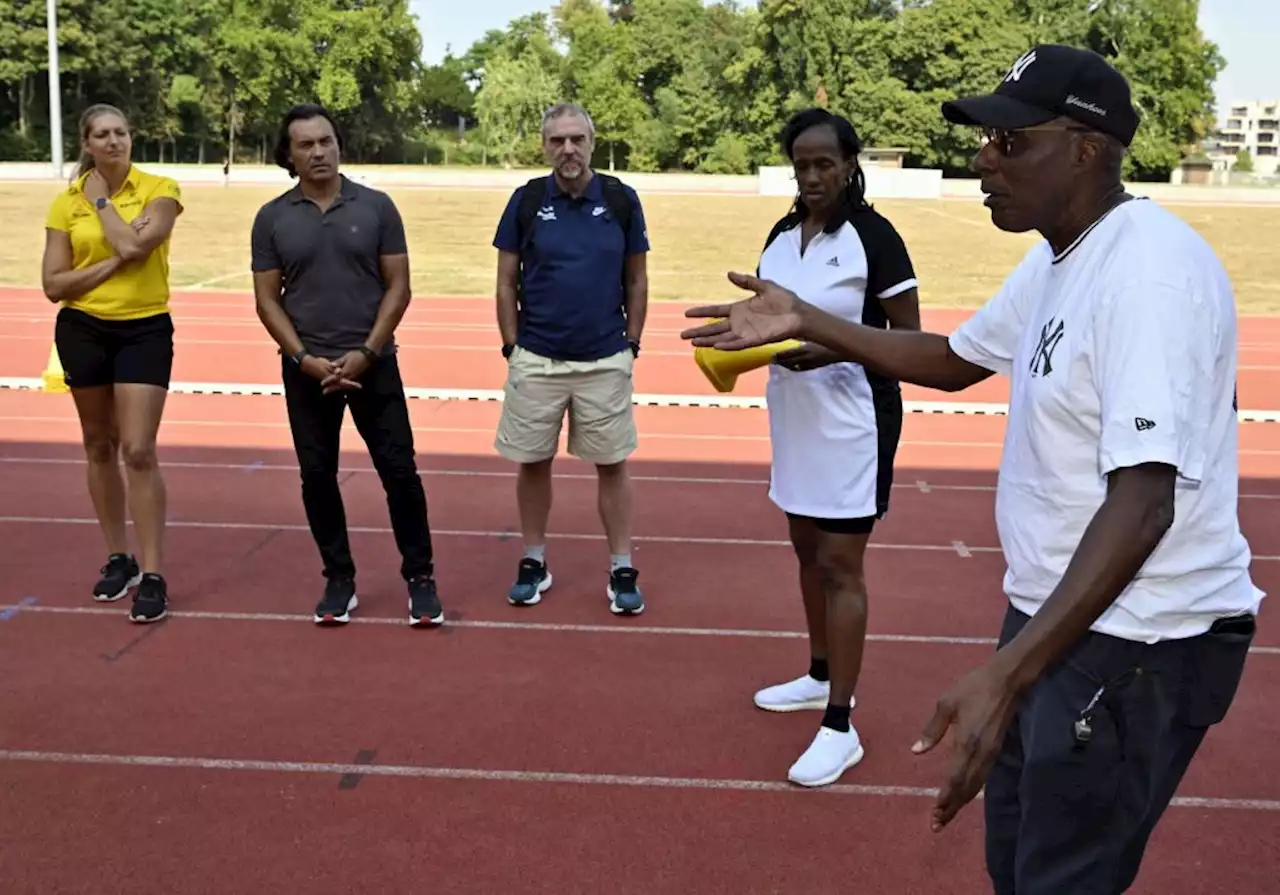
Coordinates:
x,y
671,84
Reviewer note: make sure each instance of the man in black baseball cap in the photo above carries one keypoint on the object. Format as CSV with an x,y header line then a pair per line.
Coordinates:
x,y
1127,629
1051,81
1056,131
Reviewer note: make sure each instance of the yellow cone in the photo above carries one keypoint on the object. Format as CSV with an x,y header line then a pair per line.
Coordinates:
x,y
55,379
722,368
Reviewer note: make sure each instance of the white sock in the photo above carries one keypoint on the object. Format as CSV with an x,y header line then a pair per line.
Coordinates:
x,y
619,561
538,553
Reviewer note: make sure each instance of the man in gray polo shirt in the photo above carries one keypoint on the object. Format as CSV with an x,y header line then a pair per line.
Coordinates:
x,y
331,276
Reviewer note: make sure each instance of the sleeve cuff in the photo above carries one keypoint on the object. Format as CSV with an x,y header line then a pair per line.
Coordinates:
x,y
965,349
1111,459
900,288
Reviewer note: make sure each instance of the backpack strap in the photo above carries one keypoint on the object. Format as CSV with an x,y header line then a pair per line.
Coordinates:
x,y
615,196
527,212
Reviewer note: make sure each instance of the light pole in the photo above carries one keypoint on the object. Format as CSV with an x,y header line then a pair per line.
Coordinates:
x,y
55,91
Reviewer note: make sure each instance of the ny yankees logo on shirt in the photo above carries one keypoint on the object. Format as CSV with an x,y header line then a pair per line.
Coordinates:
x,y
1042,357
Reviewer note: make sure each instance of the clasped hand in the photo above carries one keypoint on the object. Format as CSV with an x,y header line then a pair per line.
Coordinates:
x,y
342,374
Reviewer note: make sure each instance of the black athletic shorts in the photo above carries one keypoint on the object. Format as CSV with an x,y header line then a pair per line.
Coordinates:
x,y
862,525
97,352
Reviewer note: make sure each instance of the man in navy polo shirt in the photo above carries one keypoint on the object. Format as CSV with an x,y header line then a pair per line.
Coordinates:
x,y
572,291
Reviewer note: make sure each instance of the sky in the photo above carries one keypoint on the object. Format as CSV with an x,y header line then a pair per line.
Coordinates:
x,y
1246,32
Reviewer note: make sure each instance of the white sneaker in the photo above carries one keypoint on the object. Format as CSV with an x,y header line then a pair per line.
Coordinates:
x,y
794,696
831,753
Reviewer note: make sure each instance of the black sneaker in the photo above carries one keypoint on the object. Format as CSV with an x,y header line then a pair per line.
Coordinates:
x,y
339,599
151,602
531,580
624,595
424,603
118,575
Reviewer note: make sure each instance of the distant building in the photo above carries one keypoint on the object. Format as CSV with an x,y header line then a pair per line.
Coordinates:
x,y
1253,127
884,156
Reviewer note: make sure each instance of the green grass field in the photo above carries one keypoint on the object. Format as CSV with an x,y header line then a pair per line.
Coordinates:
x,y
960,257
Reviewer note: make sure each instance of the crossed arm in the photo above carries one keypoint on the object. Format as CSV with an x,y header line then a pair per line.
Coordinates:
x,y
131,242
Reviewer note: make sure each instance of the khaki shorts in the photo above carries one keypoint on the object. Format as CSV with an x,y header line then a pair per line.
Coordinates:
x,y
597,395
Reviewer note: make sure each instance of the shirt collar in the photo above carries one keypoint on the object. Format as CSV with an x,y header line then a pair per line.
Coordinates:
x,y
346,193
593,193
131,179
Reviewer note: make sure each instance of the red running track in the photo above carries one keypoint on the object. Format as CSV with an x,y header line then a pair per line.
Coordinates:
x,y
452,343
559,749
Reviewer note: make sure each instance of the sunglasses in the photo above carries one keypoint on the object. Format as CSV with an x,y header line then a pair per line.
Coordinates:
x,y
1006,139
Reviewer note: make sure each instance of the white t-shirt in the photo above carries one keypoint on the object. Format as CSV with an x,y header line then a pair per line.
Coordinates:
x,y
834,430
1122,350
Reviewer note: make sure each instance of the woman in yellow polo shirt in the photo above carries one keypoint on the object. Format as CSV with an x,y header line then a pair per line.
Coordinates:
x,y
106,262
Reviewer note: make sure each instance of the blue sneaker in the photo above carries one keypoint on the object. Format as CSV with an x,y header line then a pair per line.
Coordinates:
x,y
532,579
624,595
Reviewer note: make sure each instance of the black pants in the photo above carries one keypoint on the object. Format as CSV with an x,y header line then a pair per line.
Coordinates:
x,y
381,414
1072,813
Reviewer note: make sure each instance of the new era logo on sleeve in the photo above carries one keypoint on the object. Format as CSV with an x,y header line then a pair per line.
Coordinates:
x,y
1143,424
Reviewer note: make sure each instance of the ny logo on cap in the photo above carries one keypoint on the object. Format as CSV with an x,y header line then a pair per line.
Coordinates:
x,y
1023,63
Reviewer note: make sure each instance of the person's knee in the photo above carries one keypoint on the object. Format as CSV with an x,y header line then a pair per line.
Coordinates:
x,y
101,447
838,563
612,473
396,467
317,467
139,456
536,470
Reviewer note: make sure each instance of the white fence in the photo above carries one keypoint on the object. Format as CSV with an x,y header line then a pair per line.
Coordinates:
x,y
882,182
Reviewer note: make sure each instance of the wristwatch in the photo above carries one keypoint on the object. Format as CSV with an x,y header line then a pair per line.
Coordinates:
x,y
299,357
369,353
507,349
101,203
635,347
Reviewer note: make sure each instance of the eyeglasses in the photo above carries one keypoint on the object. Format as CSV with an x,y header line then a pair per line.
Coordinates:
x,y
1006,139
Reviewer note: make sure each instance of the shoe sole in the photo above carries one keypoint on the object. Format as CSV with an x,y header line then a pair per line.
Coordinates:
x,y
835,775
543,586
811,705
619,610
338,619
111,598
415,622
146,620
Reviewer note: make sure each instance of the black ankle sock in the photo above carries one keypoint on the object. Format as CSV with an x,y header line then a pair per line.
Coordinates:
x,y
818,669
837,718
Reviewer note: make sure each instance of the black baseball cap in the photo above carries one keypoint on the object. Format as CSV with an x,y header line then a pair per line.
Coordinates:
x,y
1050,80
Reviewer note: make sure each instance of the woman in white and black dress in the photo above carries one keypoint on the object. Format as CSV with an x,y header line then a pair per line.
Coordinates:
x,y
834,426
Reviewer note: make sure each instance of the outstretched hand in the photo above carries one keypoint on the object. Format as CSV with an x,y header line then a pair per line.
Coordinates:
x,y
980,706
771,315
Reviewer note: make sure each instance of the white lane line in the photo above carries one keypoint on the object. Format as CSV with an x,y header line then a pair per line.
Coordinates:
x,y
446,773
554,627
920,486
456,533
493,775
374,529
